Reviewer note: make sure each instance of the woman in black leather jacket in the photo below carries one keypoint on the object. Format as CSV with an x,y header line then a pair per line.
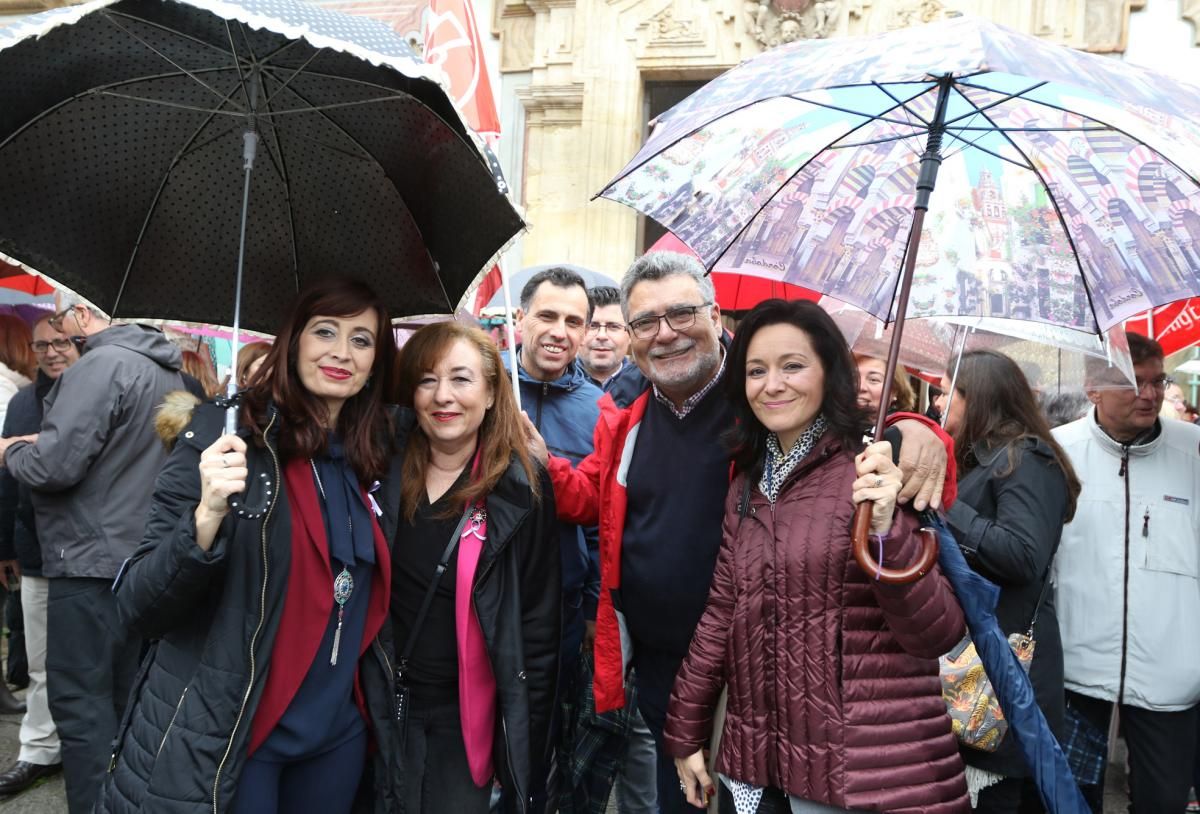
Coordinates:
x,y
1016,489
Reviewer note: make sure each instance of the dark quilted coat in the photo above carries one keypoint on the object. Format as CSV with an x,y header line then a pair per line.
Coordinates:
x,y
213,618
833,678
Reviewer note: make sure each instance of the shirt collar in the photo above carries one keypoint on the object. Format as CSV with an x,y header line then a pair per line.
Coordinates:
x,y
691,401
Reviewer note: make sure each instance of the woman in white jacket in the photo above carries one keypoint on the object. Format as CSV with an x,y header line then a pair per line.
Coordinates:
x,y
17,364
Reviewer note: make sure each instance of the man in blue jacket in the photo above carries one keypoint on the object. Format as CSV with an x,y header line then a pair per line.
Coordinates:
x,y
561,400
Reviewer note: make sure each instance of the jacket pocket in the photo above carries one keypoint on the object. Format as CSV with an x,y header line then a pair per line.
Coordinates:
x,y
1167,532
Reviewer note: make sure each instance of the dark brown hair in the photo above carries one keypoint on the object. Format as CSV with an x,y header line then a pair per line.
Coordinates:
x,y
15,352
839,403
363,420
1001,410
501,435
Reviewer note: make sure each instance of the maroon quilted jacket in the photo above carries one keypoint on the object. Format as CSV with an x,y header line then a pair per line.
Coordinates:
x,y
833,678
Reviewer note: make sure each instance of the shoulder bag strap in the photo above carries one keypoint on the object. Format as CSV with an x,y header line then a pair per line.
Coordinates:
x,y
431,590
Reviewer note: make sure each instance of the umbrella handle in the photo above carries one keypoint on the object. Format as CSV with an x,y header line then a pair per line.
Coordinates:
x,y
861,538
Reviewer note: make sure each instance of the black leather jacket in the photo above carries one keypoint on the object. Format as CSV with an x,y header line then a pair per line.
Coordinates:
x,y
517,598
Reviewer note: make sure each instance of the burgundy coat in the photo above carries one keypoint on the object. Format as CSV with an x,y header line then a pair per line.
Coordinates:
x,y
833,678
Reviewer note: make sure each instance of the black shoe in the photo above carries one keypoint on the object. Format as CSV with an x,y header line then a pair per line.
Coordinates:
x,y
21,775
9,703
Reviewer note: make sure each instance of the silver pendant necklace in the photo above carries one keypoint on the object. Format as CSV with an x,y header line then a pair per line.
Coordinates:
x,y
343,583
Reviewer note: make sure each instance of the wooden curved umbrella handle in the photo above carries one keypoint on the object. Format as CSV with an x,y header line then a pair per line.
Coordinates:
x,y
861,539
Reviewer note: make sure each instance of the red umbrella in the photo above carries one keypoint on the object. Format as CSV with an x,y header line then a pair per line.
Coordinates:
x,y
18,279
739,292
1176,325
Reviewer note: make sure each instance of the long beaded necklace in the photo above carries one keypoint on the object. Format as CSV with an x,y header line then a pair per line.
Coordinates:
x,y
343,583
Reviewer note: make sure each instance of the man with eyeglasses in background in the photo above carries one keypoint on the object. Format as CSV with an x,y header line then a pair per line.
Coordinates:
x,y
1127,580
605,351
657,484
40,754
91,471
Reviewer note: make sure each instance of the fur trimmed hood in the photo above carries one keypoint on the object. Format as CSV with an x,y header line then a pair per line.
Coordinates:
x,y
173,415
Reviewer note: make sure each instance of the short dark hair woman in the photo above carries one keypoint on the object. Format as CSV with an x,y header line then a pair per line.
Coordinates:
x,y
477,549
1016,489
834,696
248,699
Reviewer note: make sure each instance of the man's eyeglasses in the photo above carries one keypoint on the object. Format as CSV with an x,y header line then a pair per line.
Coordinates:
x,y
56,321
610,327
41,346
1157,384
678,319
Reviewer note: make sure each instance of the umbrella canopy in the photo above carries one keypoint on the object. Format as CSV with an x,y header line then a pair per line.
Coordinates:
x,y
1067,189
13,278
1175,326
738,292
1053,359
121,159
516,282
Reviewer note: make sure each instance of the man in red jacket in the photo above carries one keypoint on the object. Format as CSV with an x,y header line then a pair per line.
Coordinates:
x,y
656,485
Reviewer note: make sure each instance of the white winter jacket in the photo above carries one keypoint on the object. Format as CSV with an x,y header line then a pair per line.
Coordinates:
x,y
10,382
1127,574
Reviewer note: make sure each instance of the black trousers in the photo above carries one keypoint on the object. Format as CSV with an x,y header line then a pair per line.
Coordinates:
x,y
437,777
16,669
91,659
1162,748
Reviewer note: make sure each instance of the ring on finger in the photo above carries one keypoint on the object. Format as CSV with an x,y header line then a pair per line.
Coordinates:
x,y
878,482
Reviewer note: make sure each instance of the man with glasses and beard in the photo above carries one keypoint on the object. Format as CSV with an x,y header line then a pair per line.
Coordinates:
x,y
657,484
40,754
1127,583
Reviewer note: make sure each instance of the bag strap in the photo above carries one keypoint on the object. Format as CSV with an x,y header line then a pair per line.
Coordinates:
x,y
427,600
1041,596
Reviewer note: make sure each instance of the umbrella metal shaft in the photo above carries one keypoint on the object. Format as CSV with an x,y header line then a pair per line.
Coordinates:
x,y
931,161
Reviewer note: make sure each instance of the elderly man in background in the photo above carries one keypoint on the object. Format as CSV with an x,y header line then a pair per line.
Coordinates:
x,y
91,469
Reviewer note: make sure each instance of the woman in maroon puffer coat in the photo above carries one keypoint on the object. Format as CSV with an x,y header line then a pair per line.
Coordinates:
x,y
834,695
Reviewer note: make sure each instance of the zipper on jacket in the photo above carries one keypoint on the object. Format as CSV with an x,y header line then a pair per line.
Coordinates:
x,y
387,667
262,614
166,732
1125,602
537,421
519,793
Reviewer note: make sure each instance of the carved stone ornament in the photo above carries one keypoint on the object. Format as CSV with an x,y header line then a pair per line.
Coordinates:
x,y
777,22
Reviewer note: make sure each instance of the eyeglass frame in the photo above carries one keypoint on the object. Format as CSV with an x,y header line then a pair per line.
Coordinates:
x,y
1159,384
657,319
67,344
56,321
608,327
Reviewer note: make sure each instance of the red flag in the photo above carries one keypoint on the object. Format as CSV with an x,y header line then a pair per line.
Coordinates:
x,y
452,43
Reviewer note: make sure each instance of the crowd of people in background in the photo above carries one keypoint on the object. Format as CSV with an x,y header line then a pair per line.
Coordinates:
x,y
393,589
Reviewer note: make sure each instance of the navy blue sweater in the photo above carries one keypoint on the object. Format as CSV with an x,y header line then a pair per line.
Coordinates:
x,y
678,479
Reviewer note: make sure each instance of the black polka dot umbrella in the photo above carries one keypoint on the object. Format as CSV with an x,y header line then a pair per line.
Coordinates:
x,y
123,131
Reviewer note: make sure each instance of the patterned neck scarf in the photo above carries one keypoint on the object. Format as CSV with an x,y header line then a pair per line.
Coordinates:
x,y
778,466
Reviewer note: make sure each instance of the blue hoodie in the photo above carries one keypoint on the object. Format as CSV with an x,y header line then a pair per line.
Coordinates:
x,y
565,412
